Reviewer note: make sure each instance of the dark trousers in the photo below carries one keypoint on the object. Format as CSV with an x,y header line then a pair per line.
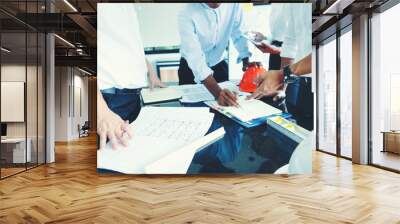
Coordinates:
x,y
185,74
123,102
300,102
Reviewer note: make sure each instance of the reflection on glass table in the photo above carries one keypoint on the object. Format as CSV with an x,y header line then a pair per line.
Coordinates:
x,y
275,146
267,148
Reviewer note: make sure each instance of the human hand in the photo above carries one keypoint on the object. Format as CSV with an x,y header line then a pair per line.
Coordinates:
x,y
259,42
268,84
268,49
227,98
258,37
155,82
111,126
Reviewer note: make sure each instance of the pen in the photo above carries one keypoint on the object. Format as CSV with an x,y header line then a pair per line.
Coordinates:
x,y
238,105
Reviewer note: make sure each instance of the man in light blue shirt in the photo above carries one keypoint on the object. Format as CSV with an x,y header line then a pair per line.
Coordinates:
x,y
205,30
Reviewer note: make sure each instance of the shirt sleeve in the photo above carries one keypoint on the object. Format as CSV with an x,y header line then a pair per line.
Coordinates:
x,y
289,46
278,21
129,69
239,28
191,49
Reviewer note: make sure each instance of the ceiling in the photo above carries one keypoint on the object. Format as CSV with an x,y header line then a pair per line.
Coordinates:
x,y
329,16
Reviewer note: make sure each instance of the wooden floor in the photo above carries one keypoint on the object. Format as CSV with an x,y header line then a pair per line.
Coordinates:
x,y
70,191
5,172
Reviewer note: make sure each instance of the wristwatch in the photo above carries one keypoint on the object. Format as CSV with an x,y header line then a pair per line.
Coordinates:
x,y
288,76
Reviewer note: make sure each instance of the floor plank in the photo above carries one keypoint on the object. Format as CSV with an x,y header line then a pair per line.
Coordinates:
x,y
71,191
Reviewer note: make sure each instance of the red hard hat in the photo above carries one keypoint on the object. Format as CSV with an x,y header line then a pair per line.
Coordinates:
x,y
247,83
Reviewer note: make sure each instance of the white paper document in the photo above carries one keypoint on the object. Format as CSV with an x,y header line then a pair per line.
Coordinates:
x,y
194,93
198,92
232,85
158,132
181,124
248,109
172,164
158,95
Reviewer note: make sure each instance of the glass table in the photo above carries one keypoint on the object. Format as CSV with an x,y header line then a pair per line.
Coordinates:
x,y
273,147
262,149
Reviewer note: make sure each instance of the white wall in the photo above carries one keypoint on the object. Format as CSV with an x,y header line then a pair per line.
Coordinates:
x,y
34,125
13,99
12,73
80,100
61,105
70,83
159,23
15,73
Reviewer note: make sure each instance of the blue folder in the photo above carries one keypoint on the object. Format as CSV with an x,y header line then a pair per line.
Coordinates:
x,y
254,122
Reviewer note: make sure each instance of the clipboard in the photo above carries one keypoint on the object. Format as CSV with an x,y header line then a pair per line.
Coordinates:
x,y
249,123
255,122
160,95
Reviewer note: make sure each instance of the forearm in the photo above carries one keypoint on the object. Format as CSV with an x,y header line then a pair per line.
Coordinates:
x,y
212,86
101,104
302,67
150,69
110,126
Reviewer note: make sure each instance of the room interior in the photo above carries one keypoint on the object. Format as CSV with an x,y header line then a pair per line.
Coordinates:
x,y
48,92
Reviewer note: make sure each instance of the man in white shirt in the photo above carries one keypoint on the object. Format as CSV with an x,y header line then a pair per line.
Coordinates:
x,y
122,72
297,36
291,27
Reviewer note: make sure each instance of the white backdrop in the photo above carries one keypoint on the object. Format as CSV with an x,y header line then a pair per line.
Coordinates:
x,y
159,23
12,101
